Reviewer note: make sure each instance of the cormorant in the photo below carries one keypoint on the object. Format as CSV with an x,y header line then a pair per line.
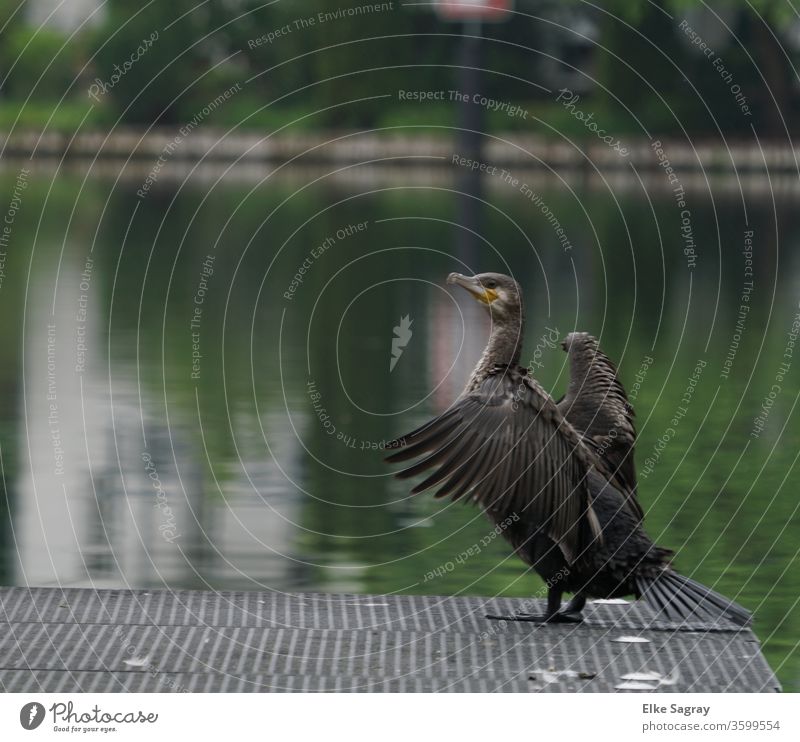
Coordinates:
x,y
567,504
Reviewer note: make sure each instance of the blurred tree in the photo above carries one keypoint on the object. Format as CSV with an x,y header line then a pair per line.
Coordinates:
x,y
27,54
163,60
757,50
155,56
10,19
361,56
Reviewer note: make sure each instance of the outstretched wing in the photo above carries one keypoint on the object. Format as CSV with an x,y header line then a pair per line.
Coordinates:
x,y
506,446
597,407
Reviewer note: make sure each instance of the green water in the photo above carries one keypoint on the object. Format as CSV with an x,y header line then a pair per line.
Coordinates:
x,y
258,464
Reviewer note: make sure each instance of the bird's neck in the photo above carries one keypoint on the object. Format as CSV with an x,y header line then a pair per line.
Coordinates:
x,y
503,349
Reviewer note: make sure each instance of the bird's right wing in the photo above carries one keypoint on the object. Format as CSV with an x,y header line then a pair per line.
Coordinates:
x,y
597,407
506,446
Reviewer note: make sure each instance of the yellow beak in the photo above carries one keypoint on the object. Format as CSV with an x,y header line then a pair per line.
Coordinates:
x,y
473,285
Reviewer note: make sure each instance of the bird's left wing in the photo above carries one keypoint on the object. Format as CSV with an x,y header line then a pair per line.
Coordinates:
x,y
506,446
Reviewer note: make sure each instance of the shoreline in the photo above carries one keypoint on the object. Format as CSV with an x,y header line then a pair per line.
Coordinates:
x,y
350,147
779,187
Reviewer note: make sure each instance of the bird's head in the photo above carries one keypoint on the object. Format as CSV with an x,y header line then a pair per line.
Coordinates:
x,y
499,293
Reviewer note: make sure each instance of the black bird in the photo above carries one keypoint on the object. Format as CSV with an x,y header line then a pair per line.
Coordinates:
x,y
505,445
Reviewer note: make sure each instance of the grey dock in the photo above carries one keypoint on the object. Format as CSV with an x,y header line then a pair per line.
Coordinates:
x,y
78,639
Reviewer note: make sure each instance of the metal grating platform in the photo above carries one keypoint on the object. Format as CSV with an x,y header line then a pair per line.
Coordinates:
x,y
54,640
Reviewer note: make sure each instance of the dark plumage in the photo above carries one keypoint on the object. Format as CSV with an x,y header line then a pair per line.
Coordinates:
x,y
507,446
597,407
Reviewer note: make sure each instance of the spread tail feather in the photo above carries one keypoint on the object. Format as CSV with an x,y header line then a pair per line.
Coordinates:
x,y
680,598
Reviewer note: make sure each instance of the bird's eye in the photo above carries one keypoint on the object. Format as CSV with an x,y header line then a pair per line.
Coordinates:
x,y
490,284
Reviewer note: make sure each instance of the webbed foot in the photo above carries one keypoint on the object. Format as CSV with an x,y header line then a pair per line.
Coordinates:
x,y
565,617
533,618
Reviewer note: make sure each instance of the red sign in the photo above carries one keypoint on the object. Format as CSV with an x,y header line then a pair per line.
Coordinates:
x,y
474,10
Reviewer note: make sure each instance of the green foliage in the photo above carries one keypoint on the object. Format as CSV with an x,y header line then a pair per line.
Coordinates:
x,y
37,61
778,13
65,117
162,62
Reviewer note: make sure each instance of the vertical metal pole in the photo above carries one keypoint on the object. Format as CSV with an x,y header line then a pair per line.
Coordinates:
x,y
470,114
469,140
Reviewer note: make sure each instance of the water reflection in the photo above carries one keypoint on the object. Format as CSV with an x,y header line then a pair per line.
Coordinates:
x,y
243,449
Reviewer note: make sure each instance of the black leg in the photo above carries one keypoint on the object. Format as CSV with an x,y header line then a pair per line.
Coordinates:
x,y
553,602
576,604
573,610
552,614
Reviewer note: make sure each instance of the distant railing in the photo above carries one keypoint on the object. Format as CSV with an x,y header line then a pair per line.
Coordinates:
x,y
525,150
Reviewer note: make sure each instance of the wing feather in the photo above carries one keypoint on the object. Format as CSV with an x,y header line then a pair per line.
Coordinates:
x,y
597,406
425,438
506,445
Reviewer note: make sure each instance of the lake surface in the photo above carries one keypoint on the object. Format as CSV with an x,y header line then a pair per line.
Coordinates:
x,y
176,412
